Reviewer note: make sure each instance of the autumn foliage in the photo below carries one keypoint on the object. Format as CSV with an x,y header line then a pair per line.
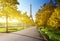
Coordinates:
x,y
9,8
49,15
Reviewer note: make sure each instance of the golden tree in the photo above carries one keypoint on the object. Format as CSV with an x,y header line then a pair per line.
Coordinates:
x,y
25,19
54,20
11,5
44,14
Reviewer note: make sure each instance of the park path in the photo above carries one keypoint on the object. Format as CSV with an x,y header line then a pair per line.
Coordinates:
x,y
29,34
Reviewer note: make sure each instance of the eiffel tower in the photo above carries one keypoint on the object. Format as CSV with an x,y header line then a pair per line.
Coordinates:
x,y
31,12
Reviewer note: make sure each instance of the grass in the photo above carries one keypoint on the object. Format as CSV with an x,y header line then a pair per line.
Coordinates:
x,y
10,29
52,33
2,29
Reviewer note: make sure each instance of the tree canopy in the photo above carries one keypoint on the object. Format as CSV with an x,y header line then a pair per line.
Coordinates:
x,y
9,8
49,15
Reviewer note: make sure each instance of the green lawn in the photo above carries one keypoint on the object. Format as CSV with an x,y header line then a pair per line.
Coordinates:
x,y
52,33
10,29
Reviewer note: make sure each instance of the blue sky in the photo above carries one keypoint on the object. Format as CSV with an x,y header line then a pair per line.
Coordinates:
x,y
36,4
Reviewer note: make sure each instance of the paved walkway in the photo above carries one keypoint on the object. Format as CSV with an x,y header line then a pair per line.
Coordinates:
x,y
29,34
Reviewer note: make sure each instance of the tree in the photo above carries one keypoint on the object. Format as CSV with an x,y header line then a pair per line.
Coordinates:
x,y
10,3
54,20
25,19
44,14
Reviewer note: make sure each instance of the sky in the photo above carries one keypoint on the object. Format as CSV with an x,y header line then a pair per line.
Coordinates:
x,y
24,6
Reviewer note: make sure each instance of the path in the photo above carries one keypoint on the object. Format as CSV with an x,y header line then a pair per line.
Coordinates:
x,y
29,34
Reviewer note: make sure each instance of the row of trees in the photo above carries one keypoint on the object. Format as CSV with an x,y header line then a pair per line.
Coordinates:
x,y
25,19
9,9
49,15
